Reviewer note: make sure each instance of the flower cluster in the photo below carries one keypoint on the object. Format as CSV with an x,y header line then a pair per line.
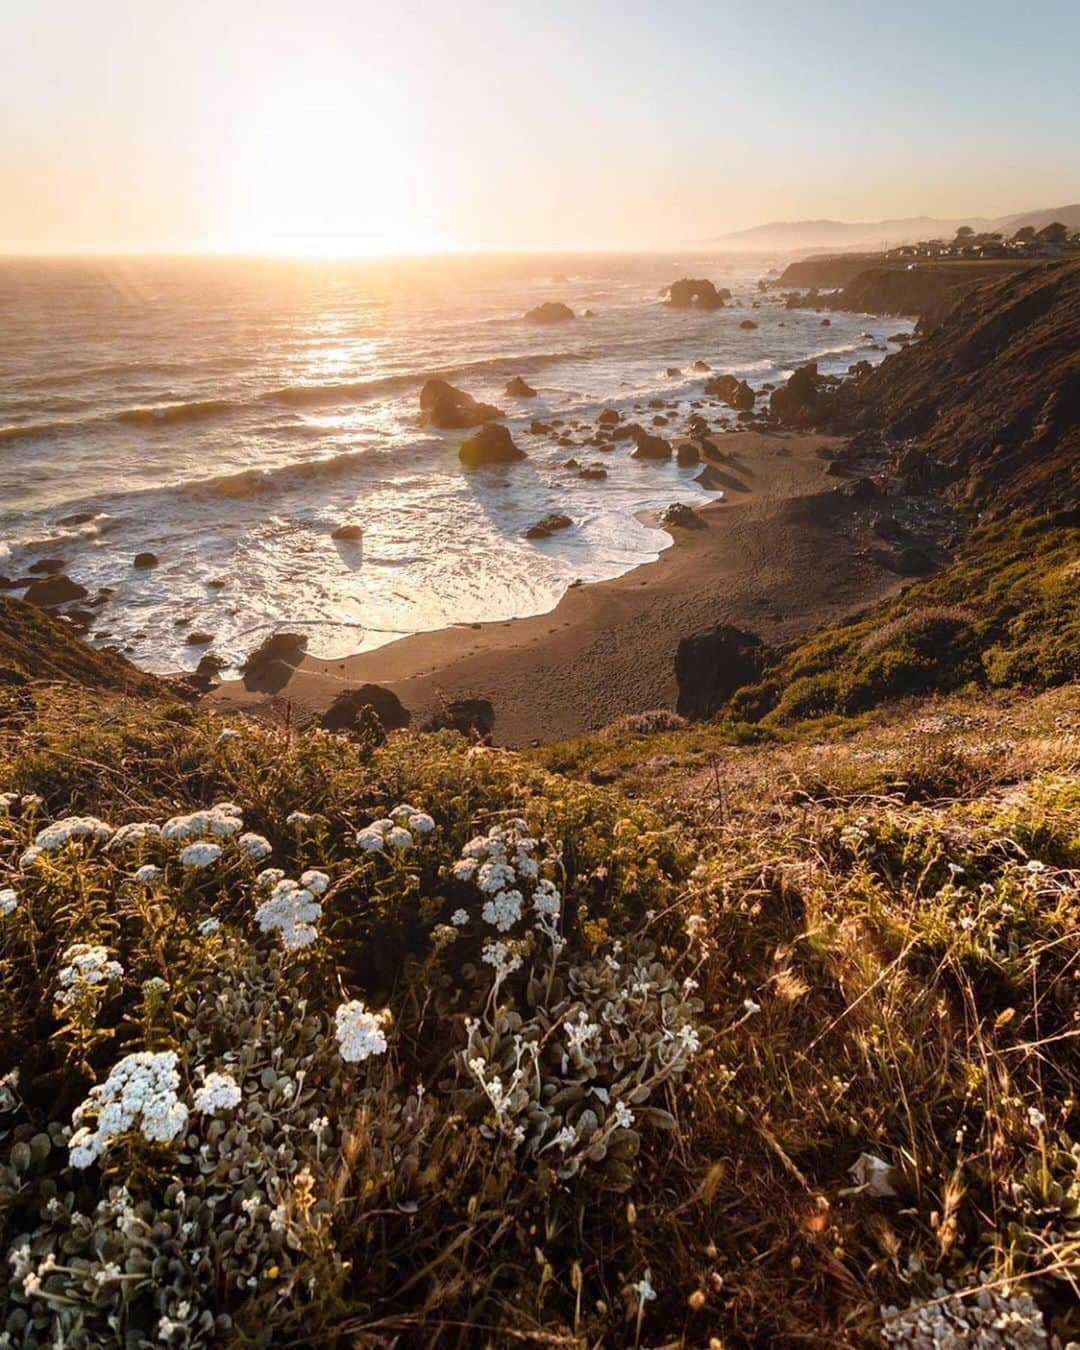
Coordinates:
x,y
360,1032
140,1090
9,901
219,1092
70,829
291,909
396,832
221,820
87,969
503,865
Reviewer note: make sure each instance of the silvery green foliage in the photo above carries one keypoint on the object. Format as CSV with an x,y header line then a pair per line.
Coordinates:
x,y
566,1069
993,1318
250,1183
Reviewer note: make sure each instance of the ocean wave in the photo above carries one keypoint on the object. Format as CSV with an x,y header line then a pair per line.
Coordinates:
x,y
248,482
168,414
31,430
356,391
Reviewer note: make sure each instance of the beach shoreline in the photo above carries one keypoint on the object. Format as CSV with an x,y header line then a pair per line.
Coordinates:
x,y
783,553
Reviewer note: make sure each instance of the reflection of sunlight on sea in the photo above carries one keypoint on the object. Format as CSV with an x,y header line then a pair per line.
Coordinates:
x,y
289,408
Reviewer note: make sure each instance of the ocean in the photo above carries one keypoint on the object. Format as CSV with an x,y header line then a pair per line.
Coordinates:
x,y
227,415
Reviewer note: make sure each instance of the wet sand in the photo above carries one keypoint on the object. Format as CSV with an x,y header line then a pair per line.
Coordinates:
x,y
781,555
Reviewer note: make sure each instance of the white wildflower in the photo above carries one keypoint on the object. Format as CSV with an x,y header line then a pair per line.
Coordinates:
x,y
229,734
269,876
459,918
256,846
147,873
208,926
139,1091
504,910
30,856
198,855
644,1290
624,1117
399,838
70,829
9,901
314,881
220,820
134,833
1036,1119
219,1092
421,823
298,818
291,911
86,965
360,1032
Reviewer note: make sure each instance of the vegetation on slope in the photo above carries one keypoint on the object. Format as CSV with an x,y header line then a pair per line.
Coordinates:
x,y
767,1065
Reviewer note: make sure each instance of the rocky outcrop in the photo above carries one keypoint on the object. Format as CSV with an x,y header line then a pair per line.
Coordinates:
x,y
647,446
57,589
352,711
35,645
349,534
711,665
734,392
517,388
450,409
990,401
551,311
270,666
796,402
695,293
543,528
681,516
492,444
472,717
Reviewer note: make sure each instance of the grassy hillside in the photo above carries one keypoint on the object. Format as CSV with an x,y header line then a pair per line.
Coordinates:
x,y
788,1043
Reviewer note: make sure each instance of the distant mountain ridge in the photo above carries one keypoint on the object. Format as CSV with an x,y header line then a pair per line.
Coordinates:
x,y
839,234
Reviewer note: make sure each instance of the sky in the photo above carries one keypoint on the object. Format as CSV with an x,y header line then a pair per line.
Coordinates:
x,y
361,127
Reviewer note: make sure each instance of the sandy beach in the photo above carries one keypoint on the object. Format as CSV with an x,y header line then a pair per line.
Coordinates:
x,y
782,554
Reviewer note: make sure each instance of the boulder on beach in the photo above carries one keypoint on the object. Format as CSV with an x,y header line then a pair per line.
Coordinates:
x,y
710,478
711,665
551,311
472,717
593,471
47,565
905,562
650,447
681,515
702,367
687,454
450,409
517,388
145,561
610,417
349,533
889,528
58,589
734,392
492,444
269,667
352,711
199,639
695,293
796,401
543,528
748,324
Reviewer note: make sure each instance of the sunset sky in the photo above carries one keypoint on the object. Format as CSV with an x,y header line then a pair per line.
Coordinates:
x,y
355,127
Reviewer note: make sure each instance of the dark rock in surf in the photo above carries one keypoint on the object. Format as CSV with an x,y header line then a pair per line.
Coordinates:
x,y
351,534
57,589
450,409
492,444
543,528
517,388
691,293
145,561
551,311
